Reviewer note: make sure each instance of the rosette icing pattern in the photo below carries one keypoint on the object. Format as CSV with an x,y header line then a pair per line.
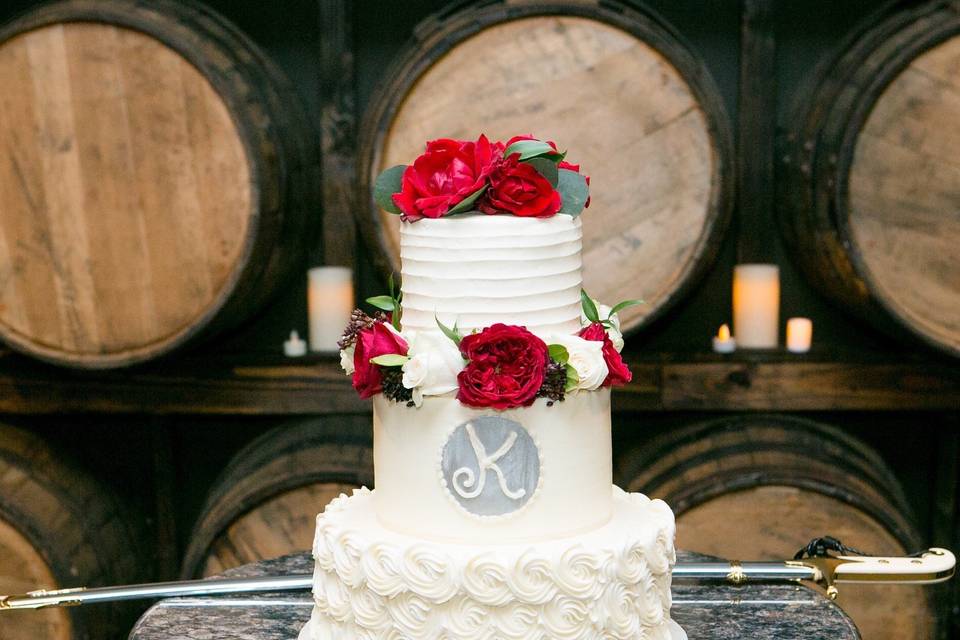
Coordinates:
x,y
611,583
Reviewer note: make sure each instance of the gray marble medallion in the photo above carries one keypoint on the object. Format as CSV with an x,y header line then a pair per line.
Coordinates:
x,y
490,466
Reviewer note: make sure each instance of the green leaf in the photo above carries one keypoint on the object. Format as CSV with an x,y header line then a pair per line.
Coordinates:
x,y
589,309
573,192
390,360
390,286
558,353
453,334
547,168
533,149
572,378
388,183
623,305
467,203
383,302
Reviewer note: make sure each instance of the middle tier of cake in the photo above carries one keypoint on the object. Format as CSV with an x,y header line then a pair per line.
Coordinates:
x,y
448,472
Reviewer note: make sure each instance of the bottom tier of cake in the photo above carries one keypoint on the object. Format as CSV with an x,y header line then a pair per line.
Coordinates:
x,y
611,583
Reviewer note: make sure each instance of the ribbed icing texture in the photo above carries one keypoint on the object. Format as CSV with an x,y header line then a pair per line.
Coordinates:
x,y
612,583
477,270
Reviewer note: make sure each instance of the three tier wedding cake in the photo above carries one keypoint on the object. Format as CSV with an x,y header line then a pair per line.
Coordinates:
x,y
494,514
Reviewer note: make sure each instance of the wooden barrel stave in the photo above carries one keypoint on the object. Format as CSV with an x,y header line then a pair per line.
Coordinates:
x,y
661,167
265,502
61,528
868,191
761,486
243,130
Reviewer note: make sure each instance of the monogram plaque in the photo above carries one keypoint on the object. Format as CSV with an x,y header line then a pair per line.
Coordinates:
x,y
491,466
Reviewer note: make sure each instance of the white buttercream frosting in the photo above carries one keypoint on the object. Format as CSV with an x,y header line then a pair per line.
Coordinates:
x,y
477,270
575,452
610,583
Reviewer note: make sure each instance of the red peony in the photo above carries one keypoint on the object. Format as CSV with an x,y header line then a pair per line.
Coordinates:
x,y
375,341
448,172
518,188
618,371
505,367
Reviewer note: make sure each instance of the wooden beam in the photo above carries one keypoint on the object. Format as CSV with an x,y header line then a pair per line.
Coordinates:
x,y
338,132
313,388
809,386
757,130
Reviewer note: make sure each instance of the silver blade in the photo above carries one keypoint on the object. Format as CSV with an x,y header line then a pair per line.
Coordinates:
x,y
708,571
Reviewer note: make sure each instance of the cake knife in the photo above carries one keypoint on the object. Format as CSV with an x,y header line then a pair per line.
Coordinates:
x,y
929,567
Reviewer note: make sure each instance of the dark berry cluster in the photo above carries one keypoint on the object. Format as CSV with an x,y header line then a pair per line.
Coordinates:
x,y
393,388
358,322
554,382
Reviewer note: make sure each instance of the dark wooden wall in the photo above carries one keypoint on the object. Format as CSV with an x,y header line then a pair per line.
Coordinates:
x,y
167,429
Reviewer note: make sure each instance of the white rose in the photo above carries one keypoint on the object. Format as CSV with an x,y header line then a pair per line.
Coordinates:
x,y
346,359
586,357
415,370
613,331
433,366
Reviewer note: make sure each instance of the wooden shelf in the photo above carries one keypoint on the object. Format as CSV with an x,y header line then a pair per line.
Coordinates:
x,y
765,382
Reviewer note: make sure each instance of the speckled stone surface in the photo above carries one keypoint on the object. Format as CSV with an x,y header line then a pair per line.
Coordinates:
x,y
706,612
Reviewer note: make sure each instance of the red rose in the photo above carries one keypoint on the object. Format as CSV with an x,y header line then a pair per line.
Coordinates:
x,y
576,169
448,172
518,188
618,371
505,367
376,341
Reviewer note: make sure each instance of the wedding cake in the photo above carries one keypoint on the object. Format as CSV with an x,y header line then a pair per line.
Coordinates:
x,y
494,514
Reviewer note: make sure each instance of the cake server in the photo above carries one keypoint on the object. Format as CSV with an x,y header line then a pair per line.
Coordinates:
x,y
929,567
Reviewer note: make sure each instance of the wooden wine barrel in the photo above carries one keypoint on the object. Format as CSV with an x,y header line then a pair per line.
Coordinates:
x,y
762,486
869,183
615,87
266,501
158,184
60,528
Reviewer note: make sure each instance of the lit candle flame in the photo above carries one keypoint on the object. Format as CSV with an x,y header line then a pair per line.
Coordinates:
x,y
724,333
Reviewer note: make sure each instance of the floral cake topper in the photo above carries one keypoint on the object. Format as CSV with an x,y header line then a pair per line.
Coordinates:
x,y
523,177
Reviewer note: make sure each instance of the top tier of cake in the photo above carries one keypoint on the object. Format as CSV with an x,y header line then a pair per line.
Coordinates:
x,y
478,270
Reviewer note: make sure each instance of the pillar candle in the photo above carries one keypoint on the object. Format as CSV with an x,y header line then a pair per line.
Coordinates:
x,y
756,305
799,335
329,303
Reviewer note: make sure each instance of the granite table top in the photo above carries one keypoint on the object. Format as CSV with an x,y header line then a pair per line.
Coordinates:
x,y
706,612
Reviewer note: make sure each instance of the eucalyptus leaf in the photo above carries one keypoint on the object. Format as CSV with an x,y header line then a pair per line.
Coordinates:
x,y
467,203
453,334
388,183
390,360
572,378
547,168
624,305
589,308
532,149
386,303
558,353
573,192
